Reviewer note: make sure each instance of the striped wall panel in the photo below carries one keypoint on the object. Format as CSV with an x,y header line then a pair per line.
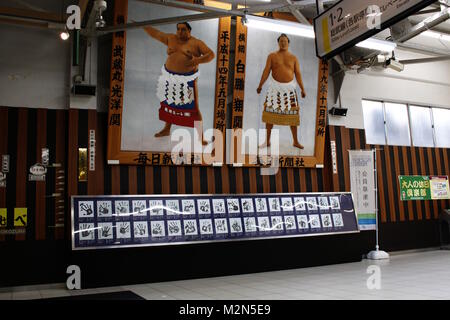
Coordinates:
x,y
392,161
171,180
23,134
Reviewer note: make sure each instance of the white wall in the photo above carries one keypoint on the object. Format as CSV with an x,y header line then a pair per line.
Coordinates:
x,y
34,68
90,78
425,84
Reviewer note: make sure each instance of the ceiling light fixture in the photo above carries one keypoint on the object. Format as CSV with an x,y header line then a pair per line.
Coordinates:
x,y
302,30
436,35
280,26
64,35
375,44
101,6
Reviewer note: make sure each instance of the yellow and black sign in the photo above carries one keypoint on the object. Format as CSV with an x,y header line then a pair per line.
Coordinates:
x,y
20,217
3,218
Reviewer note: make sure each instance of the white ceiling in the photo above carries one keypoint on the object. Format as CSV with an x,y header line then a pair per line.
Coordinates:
x,y
308,10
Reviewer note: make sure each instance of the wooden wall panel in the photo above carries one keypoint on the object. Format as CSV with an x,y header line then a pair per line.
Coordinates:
x,y
3,151
345,135
401,210
23,132
253,180
382,187
239,180
40,208
416,169
60,158
392,161
408,205
22,164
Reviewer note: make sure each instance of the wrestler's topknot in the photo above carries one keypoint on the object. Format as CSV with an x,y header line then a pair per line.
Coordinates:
x,y
186,24
283,35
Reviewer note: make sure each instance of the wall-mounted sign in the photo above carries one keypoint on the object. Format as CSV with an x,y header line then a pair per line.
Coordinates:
x,y
91,150
349,22
439,188
333,156
12,231
82,164
2,180
45,157
3,218
5,163
362,184
20,217
37,172
424,187
157,220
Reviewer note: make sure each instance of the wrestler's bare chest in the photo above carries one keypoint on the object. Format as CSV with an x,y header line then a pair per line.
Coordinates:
x,y
189,48
284,62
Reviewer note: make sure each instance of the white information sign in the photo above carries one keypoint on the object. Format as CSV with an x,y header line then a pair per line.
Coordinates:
x,y
349,22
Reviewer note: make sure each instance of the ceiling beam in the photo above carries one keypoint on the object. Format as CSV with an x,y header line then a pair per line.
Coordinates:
x,y
425,25
28,5
163,21
23,22
425,60
83,6
296,13
30,14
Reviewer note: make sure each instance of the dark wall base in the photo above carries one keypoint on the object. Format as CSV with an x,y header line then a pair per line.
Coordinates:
x,y
29,263
155,264
409,235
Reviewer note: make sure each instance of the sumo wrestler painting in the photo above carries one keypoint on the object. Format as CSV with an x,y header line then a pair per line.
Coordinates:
x,y
281,85
169,81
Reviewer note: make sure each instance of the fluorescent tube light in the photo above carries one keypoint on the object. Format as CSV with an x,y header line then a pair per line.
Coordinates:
x,y
307,31
375,44
280,26
436,35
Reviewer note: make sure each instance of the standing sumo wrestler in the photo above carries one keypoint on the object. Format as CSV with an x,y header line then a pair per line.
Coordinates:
x,y
177,85
281,105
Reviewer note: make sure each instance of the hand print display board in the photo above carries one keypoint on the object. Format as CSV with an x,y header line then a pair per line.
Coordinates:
x,y
130,221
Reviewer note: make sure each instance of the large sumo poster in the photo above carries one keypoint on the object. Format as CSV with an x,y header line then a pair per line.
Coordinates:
x,y
279,85
169,82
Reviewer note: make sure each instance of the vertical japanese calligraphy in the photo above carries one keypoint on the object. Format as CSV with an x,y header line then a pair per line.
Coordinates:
x,y
238,87
322,108
117,77
223,56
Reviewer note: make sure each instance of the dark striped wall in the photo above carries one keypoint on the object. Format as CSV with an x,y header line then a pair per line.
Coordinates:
x,y
404,224
177,180
23,132
392,161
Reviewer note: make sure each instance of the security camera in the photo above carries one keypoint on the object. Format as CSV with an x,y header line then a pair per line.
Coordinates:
x,y
395,65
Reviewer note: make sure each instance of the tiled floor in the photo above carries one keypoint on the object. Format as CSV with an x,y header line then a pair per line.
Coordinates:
x,y
420,275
